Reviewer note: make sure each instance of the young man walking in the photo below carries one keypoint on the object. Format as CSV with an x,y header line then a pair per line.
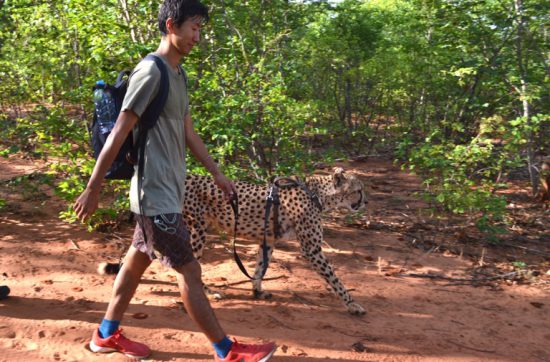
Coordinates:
x,y
160,231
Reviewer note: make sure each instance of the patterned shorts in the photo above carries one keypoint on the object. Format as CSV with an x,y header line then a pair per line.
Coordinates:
x,y
167,239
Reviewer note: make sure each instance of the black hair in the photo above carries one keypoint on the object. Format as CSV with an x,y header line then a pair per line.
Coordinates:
x,y
179,11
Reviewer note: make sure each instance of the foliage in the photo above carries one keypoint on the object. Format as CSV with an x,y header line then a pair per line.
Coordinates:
x,y
464,178
333,57
459,177
475,70
458,88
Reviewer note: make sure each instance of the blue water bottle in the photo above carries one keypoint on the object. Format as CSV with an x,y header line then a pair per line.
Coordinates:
x,y
104,107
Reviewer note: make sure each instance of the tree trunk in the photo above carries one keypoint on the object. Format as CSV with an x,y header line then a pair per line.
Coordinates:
x,y
522,67
348,115
134,33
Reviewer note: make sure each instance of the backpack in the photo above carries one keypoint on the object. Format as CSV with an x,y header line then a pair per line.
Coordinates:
x,y
122,167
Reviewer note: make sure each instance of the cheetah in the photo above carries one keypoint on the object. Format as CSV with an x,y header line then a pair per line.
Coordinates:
x,y
299,217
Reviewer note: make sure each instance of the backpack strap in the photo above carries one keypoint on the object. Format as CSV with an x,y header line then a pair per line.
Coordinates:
x,y
150,116
120,87
120,79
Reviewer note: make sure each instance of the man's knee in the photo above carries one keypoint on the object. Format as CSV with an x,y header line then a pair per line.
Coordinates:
x,y
191,273
135,262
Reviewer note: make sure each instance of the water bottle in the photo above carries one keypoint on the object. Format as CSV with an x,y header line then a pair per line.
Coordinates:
x,y
104,107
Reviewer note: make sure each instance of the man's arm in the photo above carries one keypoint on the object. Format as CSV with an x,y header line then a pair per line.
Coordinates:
x,y
87,202
198,149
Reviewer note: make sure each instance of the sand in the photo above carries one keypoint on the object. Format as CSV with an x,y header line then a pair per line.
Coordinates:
x,y
57,297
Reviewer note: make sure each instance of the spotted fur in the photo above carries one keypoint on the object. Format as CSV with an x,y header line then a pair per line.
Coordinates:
x,y
299,218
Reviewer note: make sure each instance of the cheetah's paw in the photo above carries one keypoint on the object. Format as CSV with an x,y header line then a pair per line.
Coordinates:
x,y
356,309
262,295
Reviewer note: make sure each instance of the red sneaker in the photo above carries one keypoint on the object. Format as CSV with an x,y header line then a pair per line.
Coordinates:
x,y
249,352
118,343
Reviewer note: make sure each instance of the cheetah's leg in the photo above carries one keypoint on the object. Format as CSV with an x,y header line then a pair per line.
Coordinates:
x,y
197,231
311,250
257,282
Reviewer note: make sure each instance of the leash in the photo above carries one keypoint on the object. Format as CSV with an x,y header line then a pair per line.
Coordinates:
x,y
234,202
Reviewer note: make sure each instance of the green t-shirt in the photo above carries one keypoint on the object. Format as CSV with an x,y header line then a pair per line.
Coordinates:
x,y
163,184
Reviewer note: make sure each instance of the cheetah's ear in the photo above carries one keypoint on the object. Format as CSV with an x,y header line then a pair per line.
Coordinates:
x,y
338,176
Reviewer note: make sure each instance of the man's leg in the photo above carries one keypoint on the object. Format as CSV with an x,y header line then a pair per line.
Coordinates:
x,y
169,239
108,337
199,309
126,283
195,301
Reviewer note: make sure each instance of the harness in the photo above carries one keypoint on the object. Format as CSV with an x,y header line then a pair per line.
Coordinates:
x,y
272,201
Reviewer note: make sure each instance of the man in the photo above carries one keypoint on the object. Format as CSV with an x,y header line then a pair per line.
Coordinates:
x,y
160,233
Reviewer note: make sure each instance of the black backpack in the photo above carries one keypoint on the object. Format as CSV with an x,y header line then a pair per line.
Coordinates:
x,y
122,167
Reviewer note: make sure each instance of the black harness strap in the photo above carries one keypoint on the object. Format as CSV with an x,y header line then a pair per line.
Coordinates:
x,y
272,201
273,198
288,182
235,206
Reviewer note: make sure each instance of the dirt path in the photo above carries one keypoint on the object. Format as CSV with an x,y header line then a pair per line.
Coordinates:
x,y
58,298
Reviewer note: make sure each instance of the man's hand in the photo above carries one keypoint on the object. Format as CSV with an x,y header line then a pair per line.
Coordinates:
x,y
87,203
226,185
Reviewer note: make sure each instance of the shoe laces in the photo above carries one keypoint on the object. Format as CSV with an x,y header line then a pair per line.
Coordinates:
x,y
250,348
118,336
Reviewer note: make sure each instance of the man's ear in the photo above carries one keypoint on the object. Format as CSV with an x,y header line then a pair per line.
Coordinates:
x,y
170,26
338,176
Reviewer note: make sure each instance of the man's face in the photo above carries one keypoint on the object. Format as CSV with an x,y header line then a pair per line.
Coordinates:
x,y
187,35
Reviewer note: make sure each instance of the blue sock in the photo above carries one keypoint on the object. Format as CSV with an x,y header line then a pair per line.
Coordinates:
x,y
222,347
107,328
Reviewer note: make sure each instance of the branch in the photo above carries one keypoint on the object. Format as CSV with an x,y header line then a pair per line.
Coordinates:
x,y
468,280
236,31
528,250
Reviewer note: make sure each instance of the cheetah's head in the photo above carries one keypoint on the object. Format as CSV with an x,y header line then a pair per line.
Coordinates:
x,y
348,190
